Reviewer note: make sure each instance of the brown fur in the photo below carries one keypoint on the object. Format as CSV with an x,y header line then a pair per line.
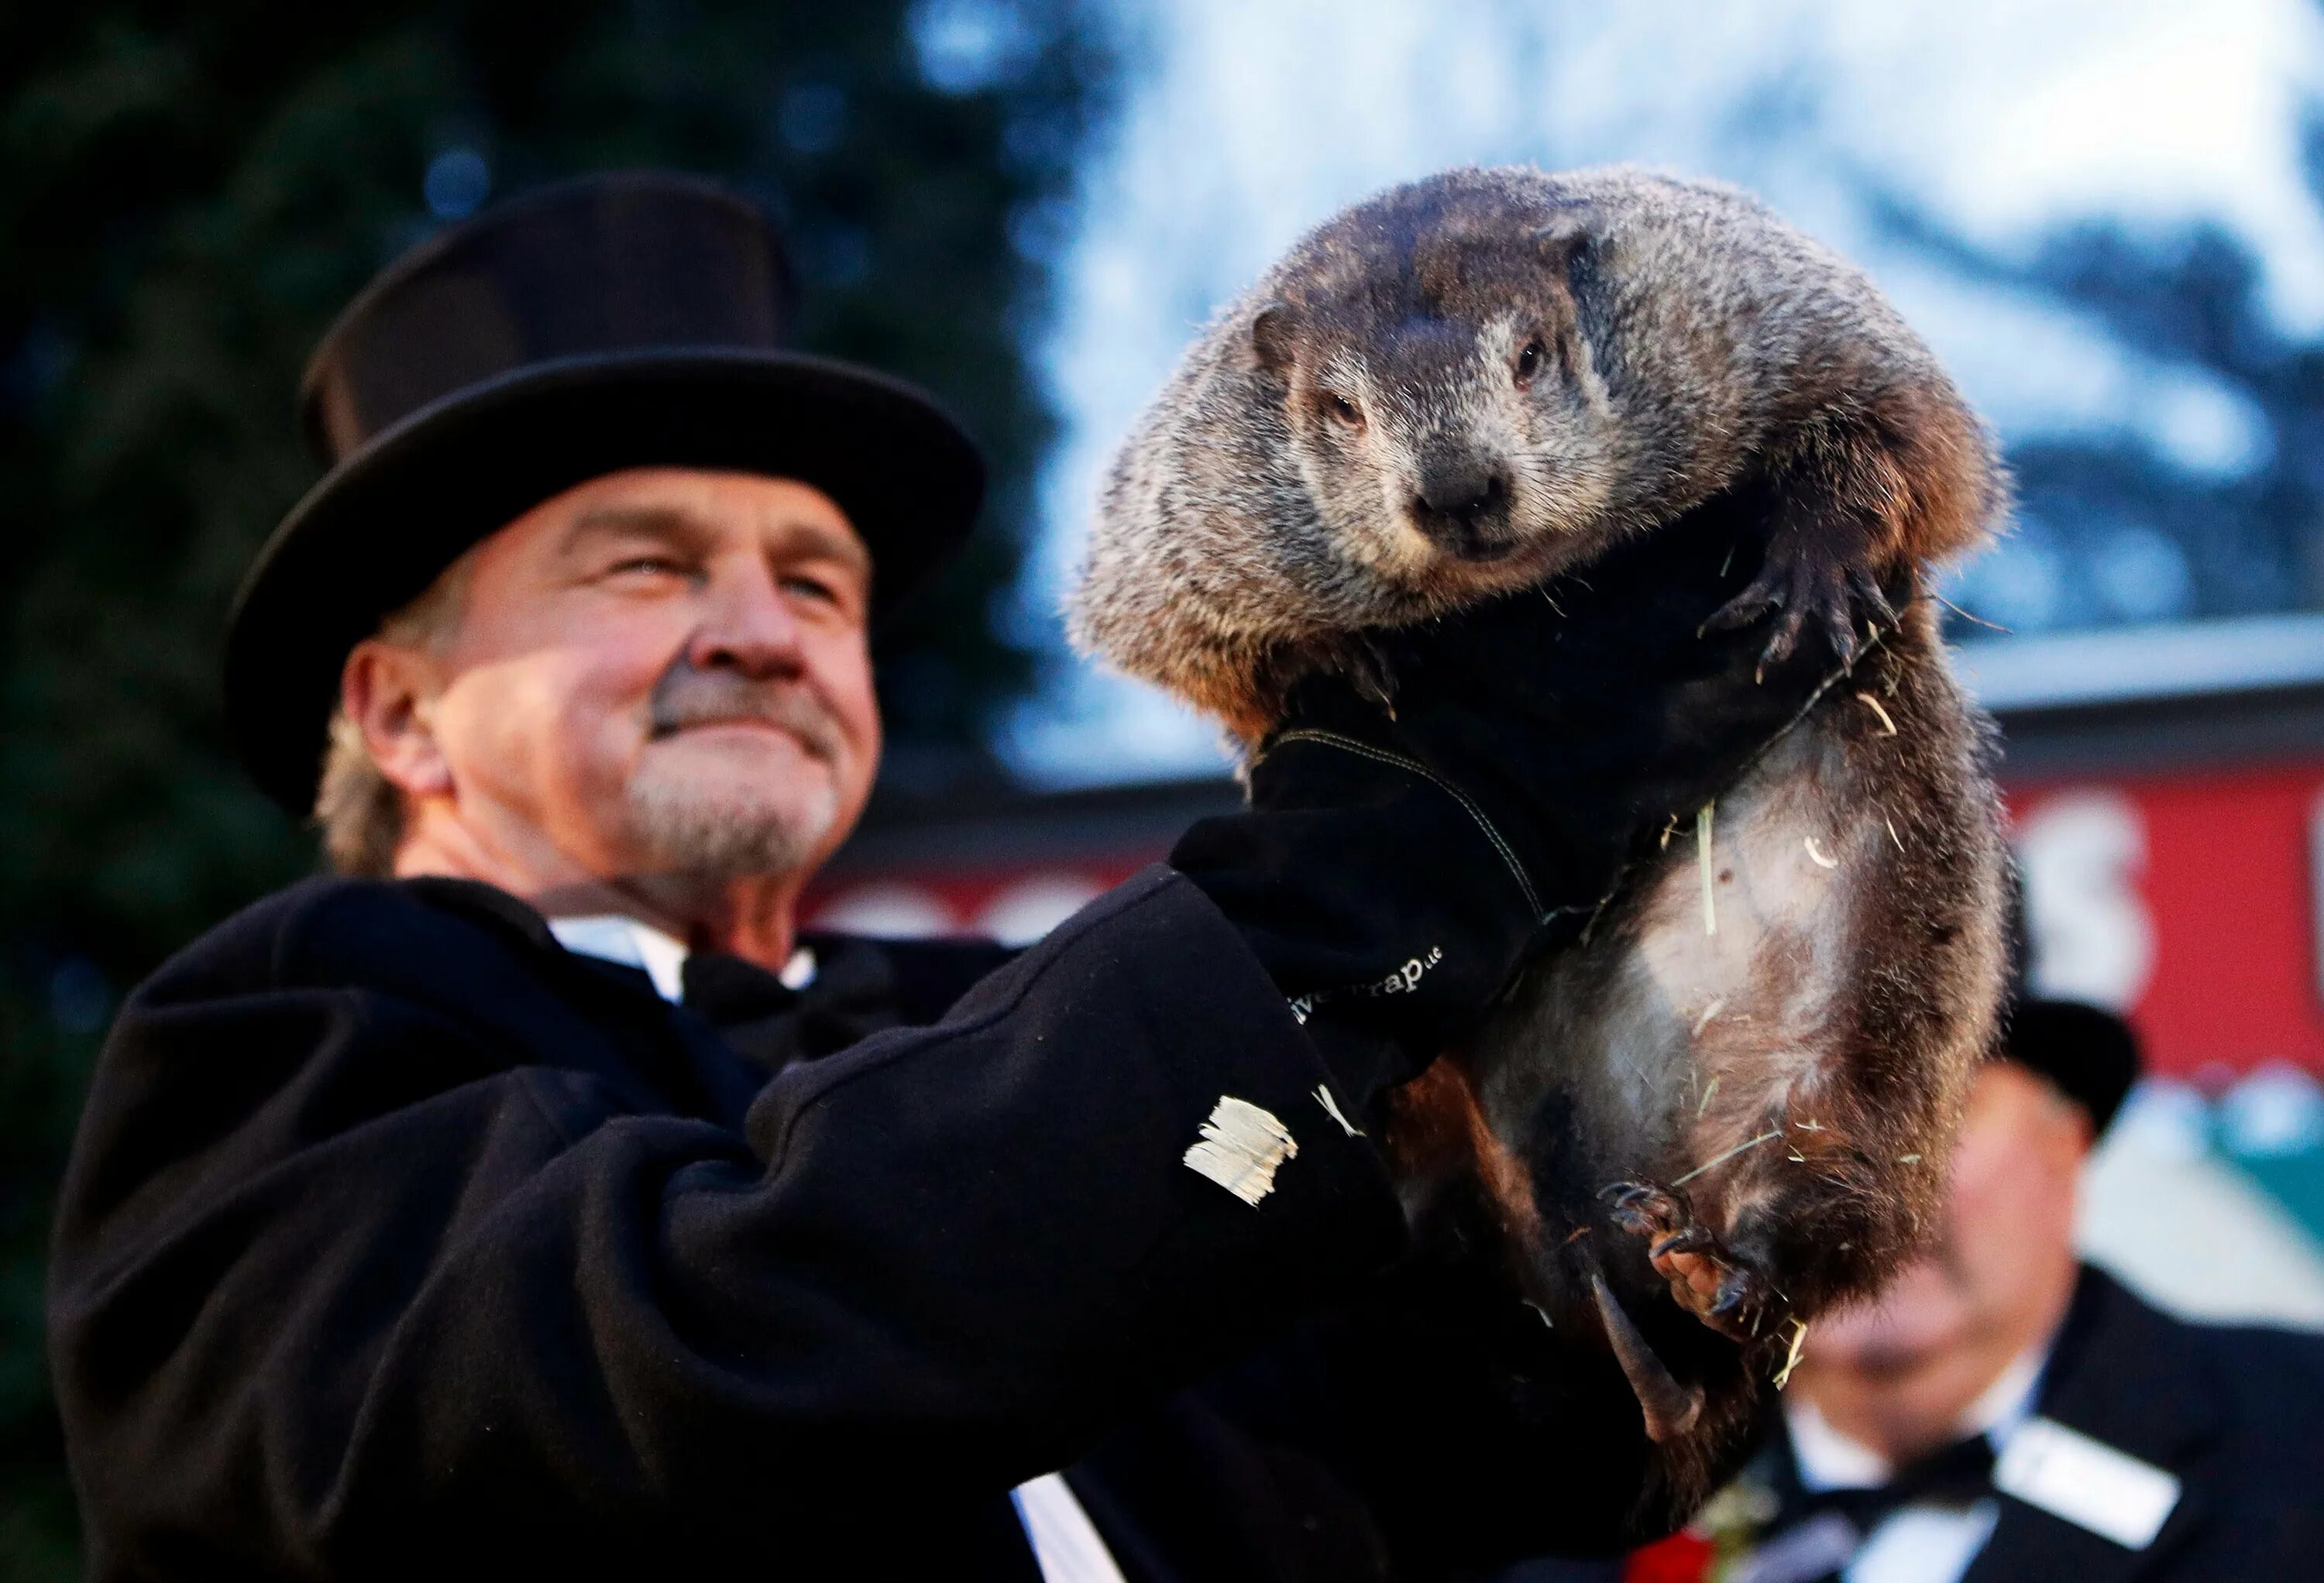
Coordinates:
x,y
1481,380
1841,1009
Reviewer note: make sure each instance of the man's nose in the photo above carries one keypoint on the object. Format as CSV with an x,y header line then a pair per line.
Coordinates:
x,y
748,627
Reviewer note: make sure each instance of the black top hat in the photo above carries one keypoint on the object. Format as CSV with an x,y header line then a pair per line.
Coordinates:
x,y
614,321
2090,1054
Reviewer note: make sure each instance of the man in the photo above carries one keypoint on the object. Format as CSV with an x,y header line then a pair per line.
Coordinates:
x,y
2006,1412
532,1194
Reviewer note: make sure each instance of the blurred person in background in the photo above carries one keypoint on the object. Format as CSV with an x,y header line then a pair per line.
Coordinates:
x,y
2006,1413
532,1198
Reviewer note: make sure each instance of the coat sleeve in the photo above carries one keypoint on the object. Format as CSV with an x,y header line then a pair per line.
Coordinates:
x,y
334,1270
1431,1429
1474,1436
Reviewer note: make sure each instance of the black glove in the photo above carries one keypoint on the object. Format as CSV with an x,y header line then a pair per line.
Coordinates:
x,y
1394,870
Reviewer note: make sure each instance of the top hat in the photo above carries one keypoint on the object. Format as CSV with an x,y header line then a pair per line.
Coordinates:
x,y
2090,1054
614,321
2087,1052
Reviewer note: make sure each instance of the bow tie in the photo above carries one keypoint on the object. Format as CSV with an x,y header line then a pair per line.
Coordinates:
x,y
854,996
1818,1533
1957,1475
727,989
1814,1536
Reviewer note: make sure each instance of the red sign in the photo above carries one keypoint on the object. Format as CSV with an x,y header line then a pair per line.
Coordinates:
x,y
1017,904
2189,901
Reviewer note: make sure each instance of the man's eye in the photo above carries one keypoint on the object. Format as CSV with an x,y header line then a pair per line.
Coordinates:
x,y
811,588
659,565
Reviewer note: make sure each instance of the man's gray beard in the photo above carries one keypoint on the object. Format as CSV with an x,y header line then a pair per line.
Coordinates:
x,y
686,828
716,831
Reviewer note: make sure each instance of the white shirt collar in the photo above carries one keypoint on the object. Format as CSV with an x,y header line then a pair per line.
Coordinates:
x,y
1829,1459
612,937
661,956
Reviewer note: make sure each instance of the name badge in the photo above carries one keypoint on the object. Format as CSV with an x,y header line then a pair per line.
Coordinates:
x,y
2087,1482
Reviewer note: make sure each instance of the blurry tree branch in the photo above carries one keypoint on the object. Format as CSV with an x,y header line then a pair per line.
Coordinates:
x,y
2186,303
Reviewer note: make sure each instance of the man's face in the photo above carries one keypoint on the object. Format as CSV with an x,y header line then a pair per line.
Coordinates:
x,y
1992,1285
664,671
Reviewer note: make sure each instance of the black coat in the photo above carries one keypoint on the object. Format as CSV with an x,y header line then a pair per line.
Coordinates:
x,y
398,1241
2236,1413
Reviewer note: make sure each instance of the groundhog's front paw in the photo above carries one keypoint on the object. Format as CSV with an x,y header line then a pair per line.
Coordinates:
x,y
1707,1278
1803,581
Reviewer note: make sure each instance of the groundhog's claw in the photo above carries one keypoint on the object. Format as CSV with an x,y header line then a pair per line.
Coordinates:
x,y
1870,599
1798,584
1741,1307
1761,596
1691,1239
1706,1277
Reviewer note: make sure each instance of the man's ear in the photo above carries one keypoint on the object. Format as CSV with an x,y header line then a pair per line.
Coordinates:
x,y
389,692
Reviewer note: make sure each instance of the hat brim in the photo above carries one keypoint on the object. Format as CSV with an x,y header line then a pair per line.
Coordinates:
x,y
2089,1053
384,523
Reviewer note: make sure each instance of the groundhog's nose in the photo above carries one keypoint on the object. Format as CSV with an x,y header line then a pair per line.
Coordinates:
x,y
1460,508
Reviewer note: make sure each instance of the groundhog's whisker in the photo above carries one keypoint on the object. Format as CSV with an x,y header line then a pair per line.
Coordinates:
x,y
1957,610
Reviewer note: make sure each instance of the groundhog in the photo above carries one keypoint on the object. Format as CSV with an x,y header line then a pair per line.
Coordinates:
x,y
1732,1100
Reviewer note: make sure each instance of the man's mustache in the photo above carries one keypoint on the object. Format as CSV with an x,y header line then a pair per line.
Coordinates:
x,y
688,696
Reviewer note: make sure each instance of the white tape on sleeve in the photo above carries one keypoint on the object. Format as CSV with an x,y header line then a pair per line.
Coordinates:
x,y
1240,1149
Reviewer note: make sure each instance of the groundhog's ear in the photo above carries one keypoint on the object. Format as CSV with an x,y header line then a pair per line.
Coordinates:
x,y
1272,334
1566,237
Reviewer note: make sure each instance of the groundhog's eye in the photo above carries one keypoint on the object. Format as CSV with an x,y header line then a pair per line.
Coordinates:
x,y
1345,411
1529,362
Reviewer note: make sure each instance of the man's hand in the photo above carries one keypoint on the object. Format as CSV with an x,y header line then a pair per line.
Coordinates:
x,y
1400,859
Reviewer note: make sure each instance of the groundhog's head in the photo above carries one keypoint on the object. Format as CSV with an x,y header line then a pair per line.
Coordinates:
x,y
1440,399
1402,417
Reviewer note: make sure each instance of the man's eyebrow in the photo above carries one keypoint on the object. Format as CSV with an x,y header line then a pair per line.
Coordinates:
x,y
667,523
675,525
822,537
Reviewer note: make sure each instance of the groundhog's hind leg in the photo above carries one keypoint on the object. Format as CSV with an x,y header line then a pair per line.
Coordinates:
x,y
1709,1279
